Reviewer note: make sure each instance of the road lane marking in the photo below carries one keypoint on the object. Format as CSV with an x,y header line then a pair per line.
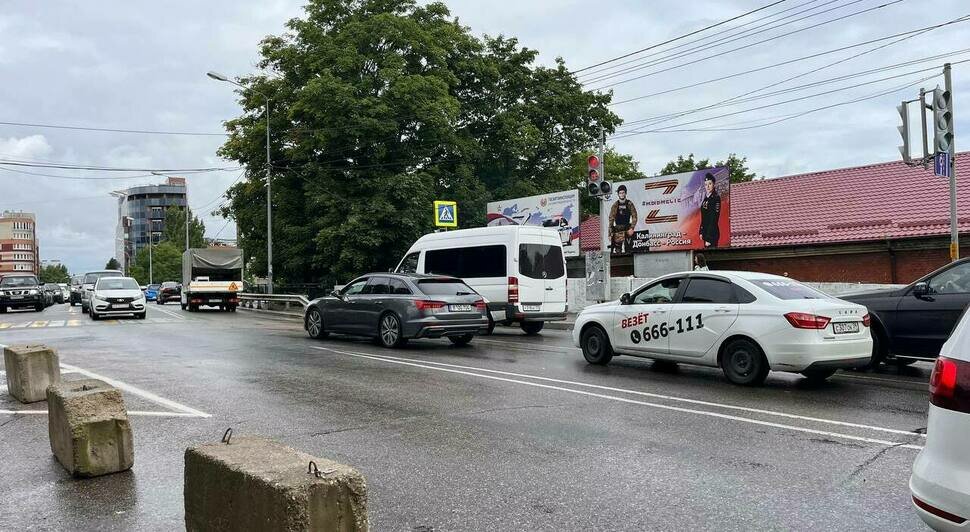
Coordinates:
x,y
21,325
168,312
38,323
73,323
437,366
56,323
137,391
130,413
4,325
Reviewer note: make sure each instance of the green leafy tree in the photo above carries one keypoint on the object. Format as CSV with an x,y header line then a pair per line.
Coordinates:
x,y
379,107
175,228
166,263
618,167
738,166
54,273
112,264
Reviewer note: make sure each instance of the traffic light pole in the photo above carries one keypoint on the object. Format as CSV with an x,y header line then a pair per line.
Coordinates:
x,y
604,222
954,232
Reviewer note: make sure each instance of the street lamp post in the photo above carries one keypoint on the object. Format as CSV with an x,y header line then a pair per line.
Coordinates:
x,y
269,187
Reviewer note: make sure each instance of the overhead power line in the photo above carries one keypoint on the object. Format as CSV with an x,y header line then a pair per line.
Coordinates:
x,y
769,39
964,18
6,162
644,61
112,130
668,41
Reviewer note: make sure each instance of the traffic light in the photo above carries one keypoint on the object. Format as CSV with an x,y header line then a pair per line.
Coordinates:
x,y
595,178
904,131
942,121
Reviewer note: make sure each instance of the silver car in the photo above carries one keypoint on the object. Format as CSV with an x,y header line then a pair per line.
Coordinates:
x,y
87,286
394,307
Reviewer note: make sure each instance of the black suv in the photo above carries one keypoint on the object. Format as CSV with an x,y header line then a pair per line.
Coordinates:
x,y
21,291
913,322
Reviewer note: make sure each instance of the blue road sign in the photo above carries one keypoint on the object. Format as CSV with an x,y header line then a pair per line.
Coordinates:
x,y
941,164
446,214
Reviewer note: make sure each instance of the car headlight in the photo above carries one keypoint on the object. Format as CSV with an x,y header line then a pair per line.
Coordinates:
x,y
33,292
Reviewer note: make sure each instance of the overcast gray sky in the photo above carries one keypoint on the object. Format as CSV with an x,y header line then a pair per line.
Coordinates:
x,y
135,65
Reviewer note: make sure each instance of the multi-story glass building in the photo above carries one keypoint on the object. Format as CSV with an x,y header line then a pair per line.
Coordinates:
x,y
141,216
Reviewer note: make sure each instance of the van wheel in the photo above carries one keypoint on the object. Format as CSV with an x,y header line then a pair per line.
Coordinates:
x,y
532,327
596,346
743,363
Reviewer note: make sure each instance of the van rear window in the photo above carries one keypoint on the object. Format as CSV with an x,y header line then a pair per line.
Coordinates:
x,y
541,261
467,263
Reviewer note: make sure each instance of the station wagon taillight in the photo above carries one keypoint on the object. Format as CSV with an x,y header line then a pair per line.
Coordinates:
x,y
429,307
802,320
513,290
950,385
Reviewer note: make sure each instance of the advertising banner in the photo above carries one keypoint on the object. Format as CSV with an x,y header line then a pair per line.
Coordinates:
x,y
686,211
559,211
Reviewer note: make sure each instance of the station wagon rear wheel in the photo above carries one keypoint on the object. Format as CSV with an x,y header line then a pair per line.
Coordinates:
x,y
314,325
389,331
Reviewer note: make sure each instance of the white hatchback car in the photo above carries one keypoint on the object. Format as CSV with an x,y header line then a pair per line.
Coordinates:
x,y
940,483
746,323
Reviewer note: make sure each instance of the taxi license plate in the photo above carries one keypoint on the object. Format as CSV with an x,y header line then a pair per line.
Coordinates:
x,y
531,308
460,308
846,328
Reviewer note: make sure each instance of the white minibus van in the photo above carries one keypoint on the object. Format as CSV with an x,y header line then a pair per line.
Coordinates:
x,y
519,269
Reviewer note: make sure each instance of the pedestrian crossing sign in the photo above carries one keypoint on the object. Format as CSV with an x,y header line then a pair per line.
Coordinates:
x,y
446,214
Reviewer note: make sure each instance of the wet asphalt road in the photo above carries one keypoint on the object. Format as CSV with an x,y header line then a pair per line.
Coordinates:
x,y
510,433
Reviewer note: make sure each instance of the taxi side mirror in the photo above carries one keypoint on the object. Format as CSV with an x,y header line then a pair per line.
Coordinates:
x,y
921,289
625,299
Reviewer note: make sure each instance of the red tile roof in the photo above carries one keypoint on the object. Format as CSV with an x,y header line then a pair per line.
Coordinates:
x,y
874,202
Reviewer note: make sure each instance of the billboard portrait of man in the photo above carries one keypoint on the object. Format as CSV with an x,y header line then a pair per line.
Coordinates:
x,y
623,220
710,231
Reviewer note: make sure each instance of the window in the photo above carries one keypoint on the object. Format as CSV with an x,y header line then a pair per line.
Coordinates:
x,y
787,289
23,280
467,263
398,287
409,264
355,288
541,261
157,212
444,287
662,292
93,277
117,283
377,286
743,295
703,290
956,280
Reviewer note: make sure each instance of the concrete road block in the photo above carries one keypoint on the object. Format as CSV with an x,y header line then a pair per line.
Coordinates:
x,y
30,370
89,429
258,484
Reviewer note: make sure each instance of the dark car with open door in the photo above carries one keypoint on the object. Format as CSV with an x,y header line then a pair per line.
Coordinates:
x,y
395,307
913,322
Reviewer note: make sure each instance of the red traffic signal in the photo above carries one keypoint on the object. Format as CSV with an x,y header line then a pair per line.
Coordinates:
x,y
593,162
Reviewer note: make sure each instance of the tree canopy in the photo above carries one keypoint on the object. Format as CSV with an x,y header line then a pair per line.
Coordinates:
x,y
379,107
54,273
738,165
112,264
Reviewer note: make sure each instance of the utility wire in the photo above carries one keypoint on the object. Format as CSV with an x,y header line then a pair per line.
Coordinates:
x,y
644,62
713,56
695,32
790,61
6,162
695,41
111,130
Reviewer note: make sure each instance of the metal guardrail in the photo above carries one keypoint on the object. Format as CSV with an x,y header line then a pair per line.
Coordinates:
x,y
252,300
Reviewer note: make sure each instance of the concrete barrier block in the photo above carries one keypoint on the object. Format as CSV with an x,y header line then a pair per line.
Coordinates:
x,y
89,429
30,370
259,484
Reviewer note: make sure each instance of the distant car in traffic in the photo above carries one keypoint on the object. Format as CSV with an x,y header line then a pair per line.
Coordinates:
x,y
54,294
21,291
393,308
116,296
77,289
89,281
151,292
65,292
168,291
519,269
745,323
913,322
940,483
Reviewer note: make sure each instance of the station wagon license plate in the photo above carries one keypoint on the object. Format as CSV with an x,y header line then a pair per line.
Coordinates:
x,y
531,308
460,308
846,328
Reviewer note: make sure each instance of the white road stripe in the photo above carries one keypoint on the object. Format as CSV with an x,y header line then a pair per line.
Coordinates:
x,y
434,366
168,312
137,391
130,413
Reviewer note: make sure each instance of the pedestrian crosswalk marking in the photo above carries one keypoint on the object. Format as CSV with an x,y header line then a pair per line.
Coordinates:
x,y
48,324
38,323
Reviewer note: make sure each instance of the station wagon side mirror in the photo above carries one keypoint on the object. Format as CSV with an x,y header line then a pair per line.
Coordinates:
x,y
920,289
625,299
336,294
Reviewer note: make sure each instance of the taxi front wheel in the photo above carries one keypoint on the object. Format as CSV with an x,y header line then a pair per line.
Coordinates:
x,y
596,346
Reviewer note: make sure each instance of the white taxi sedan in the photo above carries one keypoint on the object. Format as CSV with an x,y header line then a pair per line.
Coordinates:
x,y
746,323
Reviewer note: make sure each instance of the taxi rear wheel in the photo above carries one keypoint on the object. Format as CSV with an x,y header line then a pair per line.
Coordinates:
x,y
596,346
743,363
